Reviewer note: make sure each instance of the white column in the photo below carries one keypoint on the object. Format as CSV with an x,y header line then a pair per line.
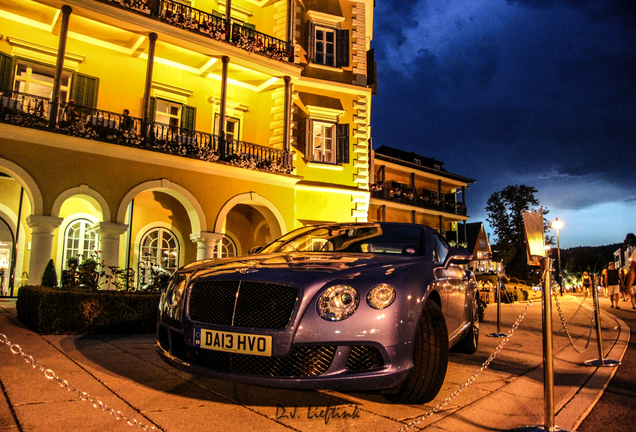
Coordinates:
x,y
109,234
206,243
42,228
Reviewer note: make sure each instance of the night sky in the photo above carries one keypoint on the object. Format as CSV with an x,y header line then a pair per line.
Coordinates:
x,y
534,92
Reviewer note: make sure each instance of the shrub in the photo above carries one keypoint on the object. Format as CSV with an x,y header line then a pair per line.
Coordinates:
x,y
49,277
54,311
514,280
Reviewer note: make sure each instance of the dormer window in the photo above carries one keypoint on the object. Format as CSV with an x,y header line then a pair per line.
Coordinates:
x,y
417,162
437,167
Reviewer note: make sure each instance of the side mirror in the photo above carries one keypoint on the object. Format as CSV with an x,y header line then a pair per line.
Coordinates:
x,y
457,256
255,250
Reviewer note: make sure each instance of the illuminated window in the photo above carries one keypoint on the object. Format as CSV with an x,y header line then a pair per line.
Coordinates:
x,y
323,142
37,80
159,246
227,248
231,127
167,112
79,239
327,142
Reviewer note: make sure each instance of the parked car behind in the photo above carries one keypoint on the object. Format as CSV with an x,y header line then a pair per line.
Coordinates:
x,y
352,306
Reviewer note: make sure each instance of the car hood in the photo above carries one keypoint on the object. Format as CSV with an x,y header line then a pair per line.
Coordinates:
x,y
297,268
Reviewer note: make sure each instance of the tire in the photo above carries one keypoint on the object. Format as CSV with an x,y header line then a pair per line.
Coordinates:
x,y
470,342
430,359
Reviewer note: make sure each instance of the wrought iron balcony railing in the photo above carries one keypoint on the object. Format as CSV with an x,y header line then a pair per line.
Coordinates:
x,y
34,112
212,25
425,199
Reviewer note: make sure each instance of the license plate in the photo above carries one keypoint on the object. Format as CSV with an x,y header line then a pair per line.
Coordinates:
x,y
233,342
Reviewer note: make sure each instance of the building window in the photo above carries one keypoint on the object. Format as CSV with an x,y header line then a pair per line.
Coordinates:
x,y
225,248
36,79
437,167
159,246
231,127
327,46
167,112
79,239
327,142
417,161
482,244
323,142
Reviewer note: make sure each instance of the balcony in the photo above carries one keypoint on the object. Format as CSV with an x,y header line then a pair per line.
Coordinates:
x,y
212,25
31,111
426,199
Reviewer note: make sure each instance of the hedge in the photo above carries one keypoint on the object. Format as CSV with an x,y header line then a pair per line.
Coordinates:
x,y
56,311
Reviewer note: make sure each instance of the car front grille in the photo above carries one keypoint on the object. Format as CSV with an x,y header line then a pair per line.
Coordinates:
x,y
242,304
303,361
364,358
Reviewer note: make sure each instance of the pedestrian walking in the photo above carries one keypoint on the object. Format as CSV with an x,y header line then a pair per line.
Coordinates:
x,y
611,284
631,275
622,282
586,282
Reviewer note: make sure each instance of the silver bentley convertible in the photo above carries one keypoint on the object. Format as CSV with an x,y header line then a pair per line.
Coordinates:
x,y
351,306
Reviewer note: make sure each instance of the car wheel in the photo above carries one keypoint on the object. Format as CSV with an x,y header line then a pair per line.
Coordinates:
x,y
468,345
430,359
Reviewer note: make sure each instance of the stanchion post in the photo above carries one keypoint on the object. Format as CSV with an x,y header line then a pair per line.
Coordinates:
x,y
548,365
600,361
499,333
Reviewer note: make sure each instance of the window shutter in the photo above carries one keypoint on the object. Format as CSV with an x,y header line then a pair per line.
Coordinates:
x,y
309,139
342,48
342,135
311,42
371,69
152,109
188,117
6,71
84,90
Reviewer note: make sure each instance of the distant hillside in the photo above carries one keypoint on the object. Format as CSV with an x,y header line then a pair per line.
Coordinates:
x,y
586,258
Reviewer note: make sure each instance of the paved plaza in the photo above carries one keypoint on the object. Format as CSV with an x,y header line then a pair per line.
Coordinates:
x,y
124,373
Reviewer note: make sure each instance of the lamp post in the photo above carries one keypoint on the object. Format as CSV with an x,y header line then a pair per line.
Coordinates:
x,y
557,224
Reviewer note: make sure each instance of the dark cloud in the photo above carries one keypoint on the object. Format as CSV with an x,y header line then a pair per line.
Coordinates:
x,y
512,93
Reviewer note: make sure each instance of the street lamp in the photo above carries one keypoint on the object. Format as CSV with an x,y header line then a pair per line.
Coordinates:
x,y
557,224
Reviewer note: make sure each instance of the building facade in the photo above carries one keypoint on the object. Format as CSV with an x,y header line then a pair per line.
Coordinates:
x,y
411,188
164,131
476,240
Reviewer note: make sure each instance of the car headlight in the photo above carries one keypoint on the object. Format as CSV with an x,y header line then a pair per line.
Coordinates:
x,y
381,296
175,292
337,303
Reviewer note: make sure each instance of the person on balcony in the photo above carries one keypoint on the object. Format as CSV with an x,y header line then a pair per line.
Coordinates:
x,y
126,121
69,115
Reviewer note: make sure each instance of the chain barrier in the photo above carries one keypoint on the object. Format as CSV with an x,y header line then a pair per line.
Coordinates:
x,y
50,375
563,323
470,380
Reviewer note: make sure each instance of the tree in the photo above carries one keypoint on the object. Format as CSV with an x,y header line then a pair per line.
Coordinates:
x,y
630,240
49,277
505,215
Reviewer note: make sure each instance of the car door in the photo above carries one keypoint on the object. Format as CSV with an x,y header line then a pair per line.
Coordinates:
x,y
452,285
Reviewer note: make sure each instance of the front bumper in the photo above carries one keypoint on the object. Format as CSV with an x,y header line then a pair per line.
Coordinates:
x,y
315,366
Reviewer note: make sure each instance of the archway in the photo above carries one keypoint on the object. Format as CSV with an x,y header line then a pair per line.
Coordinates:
x,y
251,220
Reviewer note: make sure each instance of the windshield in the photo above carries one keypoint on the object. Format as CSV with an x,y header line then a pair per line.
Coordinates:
x,y
376,239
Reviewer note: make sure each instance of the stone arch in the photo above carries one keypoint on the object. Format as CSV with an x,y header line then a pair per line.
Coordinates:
x,y
195,212
30,186
82,190
272,215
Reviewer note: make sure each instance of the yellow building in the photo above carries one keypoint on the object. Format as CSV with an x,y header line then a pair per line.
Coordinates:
x,y
410,188
168,131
